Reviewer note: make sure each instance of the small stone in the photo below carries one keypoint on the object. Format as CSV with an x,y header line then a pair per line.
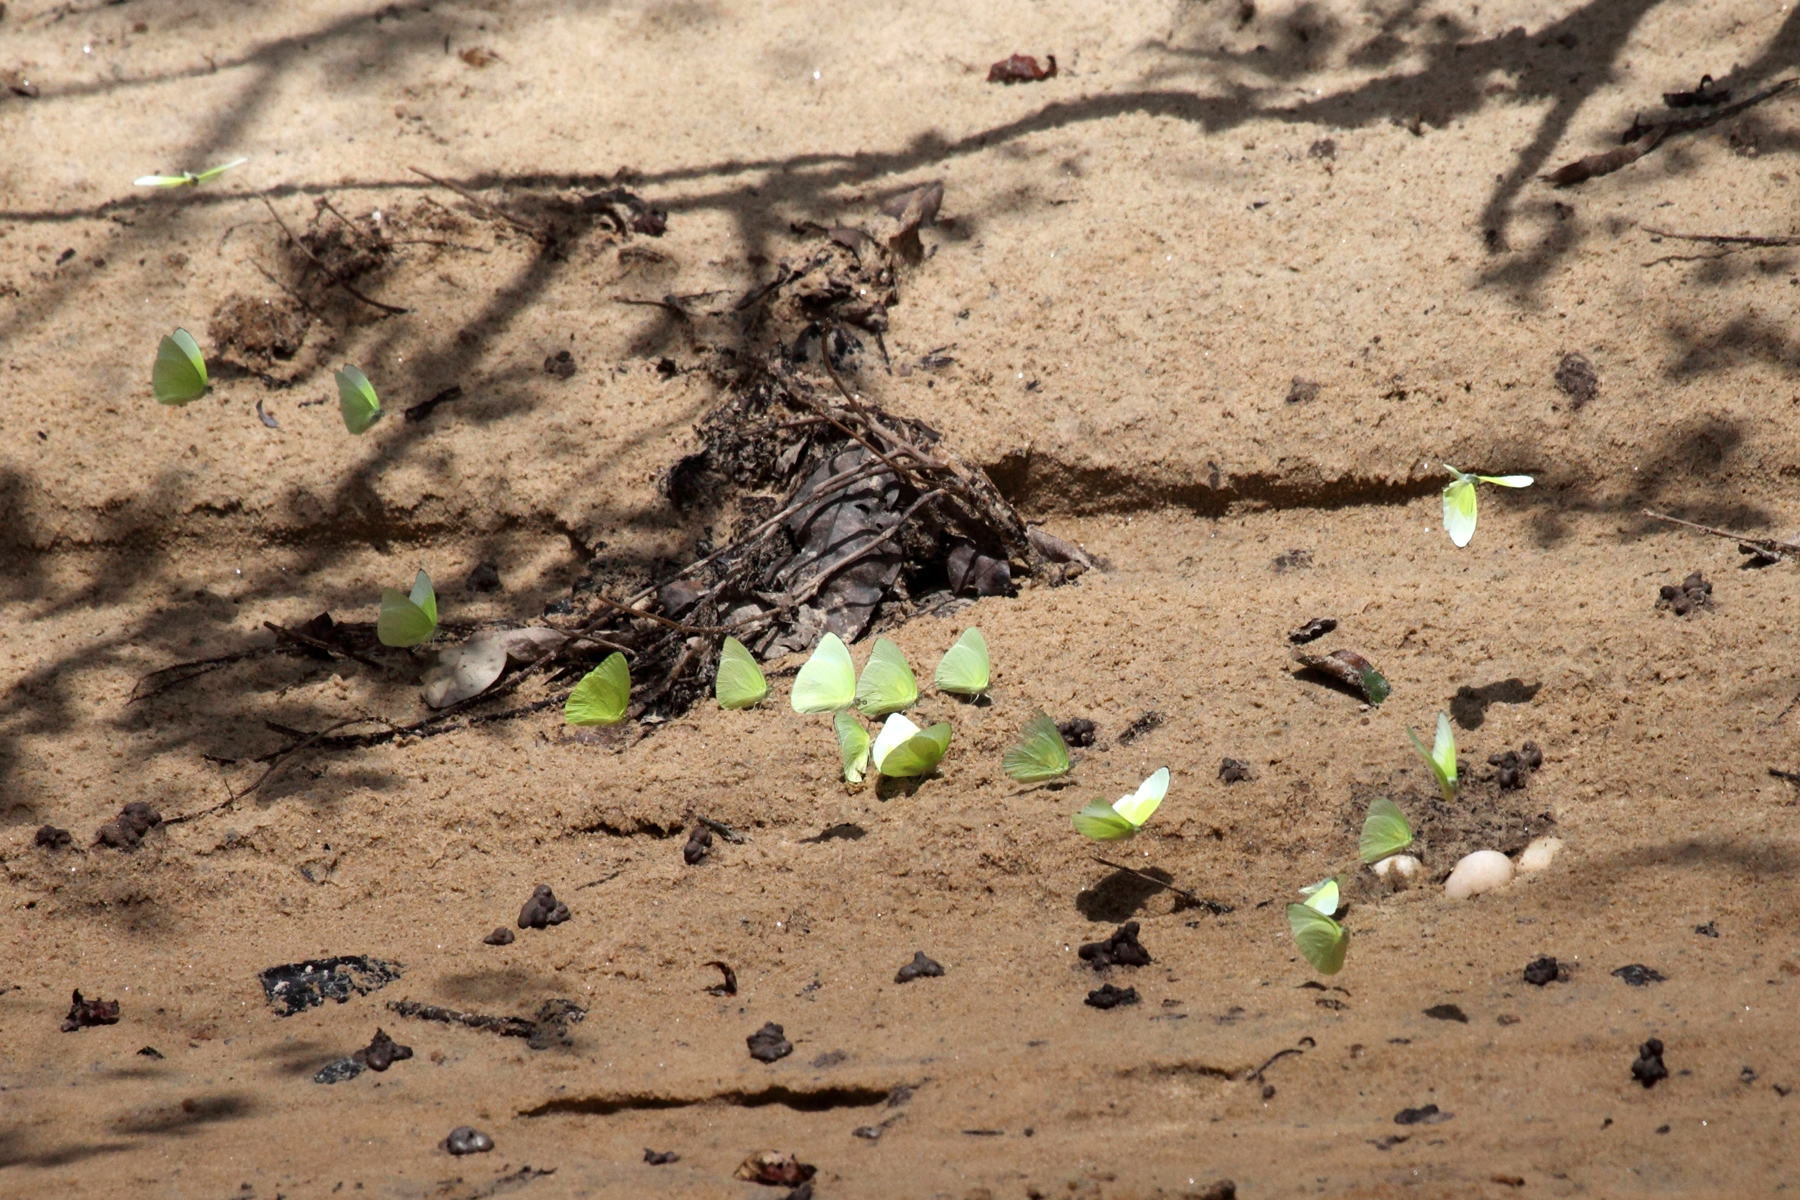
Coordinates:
x,y
543,909
1121,949
919,968
1638,975
1107,996
382,1052
1542,971
1648,1067
466,1139
660,1158
699,845
769,1043
1540,854
1232,770
51,838
500,937
1482,871
1399,871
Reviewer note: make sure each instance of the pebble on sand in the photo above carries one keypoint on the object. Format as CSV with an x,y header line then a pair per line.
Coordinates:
x,y
1398,871
1539,854
1482,871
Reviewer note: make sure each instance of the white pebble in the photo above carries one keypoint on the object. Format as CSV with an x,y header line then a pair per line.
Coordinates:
x,y
1482,871
1398,871
1539,854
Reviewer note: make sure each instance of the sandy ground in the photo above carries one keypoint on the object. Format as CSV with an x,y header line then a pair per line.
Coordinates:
x,y
1138,259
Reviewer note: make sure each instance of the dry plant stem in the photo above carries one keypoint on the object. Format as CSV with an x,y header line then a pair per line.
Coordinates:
x,y
1147,878
281,761
821,496
483,205
661,620
723,830
389,309
1721,239
812,589
1271,1061
281,631
1652,136
1769,545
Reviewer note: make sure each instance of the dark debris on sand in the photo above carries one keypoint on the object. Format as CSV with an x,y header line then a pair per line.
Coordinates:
x,y
86,1013
543,909
919,968
1121,949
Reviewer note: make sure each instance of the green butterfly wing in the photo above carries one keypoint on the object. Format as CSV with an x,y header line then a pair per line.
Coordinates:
x,y
1137,807
602,695
1322,941
1322,897
853,744
918,755
828,680
1102,822
740,682
1039,754
964,668
887,684
1375,685
408,620
1511,481
179,375
1441,758
357,400
1384,831
212,173
165,181
1459,509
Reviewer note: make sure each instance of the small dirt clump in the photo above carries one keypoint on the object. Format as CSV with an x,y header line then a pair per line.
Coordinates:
x,y
85,1013
1077,732
1690,596
1577,379
466,1139
1107,996
126,831
1312,631
382,1052
699,845
49,837
1121,949
769,1043
1648,1067
919,968
1232,770
1514,767
1542,971
543,909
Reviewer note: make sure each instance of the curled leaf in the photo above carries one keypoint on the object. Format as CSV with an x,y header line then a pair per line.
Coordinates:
x,y
1349,667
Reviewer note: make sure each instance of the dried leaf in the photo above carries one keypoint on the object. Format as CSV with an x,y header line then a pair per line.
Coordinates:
x,y
471,668
1021,68
1349,667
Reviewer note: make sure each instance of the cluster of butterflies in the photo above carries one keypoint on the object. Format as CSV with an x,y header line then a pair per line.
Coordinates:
x,y
1323,942
179,377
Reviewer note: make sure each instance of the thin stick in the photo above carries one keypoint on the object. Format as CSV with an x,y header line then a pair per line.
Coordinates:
x,y
1272,1060
389,309
281,760
723,830
1721,239
1147,878
327,647
1767,545
661,620
478,202
837,568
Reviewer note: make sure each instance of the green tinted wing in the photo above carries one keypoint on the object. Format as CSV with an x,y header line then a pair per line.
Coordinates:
x,y
602,695
407,620
179,375
964,668
1103,823
1384,831
853,744
918,754
1459,510
828,680
887,684
1039,754
1322,941
740,682
357,400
